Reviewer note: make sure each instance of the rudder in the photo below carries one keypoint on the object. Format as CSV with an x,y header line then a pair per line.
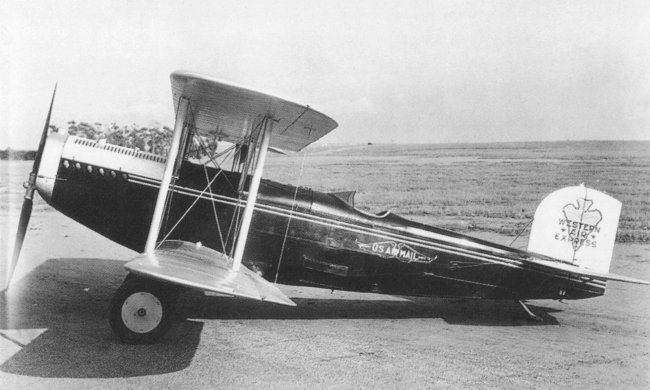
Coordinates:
x,y
577,225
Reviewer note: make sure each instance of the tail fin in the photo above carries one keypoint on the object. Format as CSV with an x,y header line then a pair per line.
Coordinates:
x,y
576,225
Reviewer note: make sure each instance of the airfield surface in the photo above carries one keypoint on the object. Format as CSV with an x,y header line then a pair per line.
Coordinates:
x,y
54,330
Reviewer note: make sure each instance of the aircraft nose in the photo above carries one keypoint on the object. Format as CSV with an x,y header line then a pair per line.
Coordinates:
x,y
49,166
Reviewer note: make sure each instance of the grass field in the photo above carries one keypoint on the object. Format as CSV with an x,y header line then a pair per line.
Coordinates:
x,y
478,187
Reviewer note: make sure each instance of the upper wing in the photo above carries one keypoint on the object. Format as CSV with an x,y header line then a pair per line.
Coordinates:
x,y
229,111
579,271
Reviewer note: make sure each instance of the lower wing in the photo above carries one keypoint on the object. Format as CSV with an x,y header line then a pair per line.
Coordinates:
x,y
202,268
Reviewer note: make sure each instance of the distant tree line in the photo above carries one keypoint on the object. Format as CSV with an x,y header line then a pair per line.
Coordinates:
x,y
154,139
11,154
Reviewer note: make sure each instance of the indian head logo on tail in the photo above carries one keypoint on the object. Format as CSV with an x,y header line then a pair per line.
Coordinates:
x,y
580,224
576,225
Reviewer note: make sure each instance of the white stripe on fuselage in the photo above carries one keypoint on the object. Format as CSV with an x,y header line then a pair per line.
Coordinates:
x,y
117,158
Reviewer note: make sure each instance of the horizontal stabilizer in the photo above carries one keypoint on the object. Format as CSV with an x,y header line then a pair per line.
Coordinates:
x,y
579,271
202,268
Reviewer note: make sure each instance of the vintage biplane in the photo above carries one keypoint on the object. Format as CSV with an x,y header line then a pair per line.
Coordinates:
x,y
201,226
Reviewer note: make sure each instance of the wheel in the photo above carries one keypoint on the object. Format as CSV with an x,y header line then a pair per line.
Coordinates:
x,y
141,310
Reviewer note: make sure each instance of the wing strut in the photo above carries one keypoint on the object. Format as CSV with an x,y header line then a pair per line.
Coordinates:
x,y
266,131
174,149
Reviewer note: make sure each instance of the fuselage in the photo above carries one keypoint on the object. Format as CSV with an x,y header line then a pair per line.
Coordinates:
x,y
297,236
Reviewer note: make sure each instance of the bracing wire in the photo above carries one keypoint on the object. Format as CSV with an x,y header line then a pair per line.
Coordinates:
x,y
207,178
208,187
293,207
217,165
296,120
214,208
170,195
522,231
213,158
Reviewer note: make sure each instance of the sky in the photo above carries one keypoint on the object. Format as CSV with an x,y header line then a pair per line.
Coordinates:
x,y
386,71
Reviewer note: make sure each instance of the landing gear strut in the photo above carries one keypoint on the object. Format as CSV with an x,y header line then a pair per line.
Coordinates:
x,y
531,315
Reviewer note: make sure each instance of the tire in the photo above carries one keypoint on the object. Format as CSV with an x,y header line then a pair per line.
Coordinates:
x,y
141,311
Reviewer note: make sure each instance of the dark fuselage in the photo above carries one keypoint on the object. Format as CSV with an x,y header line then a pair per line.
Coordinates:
x,y
298,236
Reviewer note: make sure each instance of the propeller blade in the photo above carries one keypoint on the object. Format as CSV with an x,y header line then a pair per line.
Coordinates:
x,y
25,215
41,144
28,201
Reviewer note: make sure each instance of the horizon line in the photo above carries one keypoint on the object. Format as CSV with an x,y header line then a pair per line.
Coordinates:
x,y
370,143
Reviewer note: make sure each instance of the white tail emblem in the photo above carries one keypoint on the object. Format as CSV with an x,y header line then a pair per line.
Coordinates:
x,y
577,225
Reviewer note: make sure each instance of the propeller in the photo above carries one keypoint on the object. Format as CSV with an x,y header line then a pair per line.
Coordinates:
x,y
28,201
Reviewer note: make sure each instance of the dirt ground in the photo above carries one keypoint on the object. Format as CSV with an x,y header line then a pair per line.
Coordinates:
x,y
55,334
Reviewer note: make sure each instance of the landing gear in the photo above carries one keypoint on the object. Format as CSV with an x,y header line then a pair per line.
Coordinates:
x,y
142,310
531,315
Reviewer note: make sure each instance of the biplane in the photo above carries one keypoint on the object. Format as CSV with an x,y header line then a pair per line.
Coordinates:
x,y
213,224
